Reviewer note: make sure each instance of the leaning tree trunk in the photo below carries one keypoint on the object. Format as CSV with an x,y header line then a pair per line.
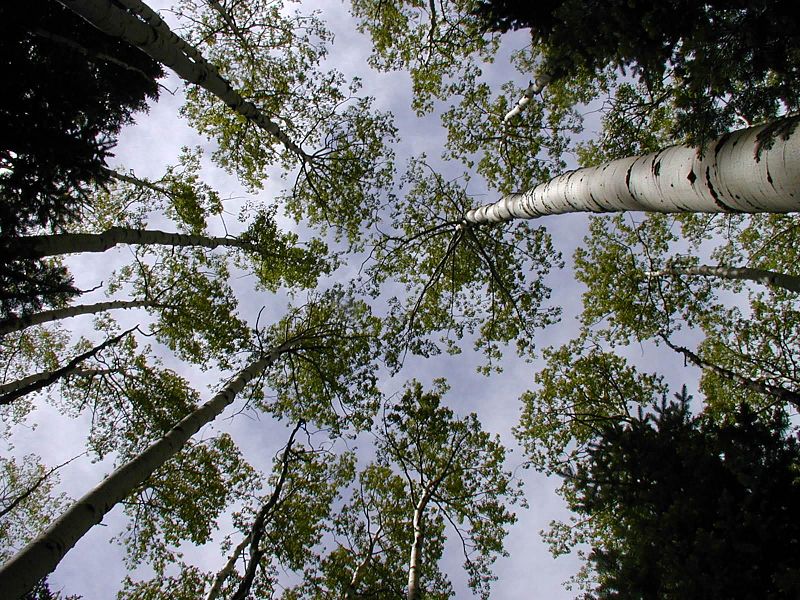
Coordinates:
x,y
39,246
48,316
41,556
27,385
155,39
739,172
257,529
536,86
772,279
754,385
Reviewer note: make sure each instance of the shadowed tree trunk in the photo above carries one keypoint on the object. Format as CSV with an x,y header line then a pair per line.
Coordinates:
x,y
155,39
27,385
39,246
48,316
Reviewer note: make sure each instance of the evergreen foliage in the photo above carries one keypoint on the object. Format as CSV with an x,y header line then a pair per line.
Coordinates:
x,y
67,92
697,508
713,61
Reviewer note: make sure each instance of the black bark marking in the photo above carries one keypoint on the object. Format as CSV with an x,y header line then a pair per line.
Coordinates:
x,y
628,178
691,177
769,179
717,200
657,168
720,143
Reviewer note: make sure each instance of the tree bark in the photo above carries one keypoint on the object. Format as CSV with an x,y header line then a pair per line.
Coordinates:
x,y
42,555
415,559
753,385
156,39
48,316
771,279
536,86
736,173
39,246
32,383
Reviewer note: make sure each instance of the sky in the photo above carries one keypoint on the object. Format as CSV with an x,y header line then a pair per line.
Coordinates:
x,y
95,567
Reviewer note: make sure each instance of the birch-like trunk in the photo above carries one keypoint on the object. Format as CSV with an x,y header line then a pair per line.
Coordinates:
x,y
536,86
224,572
158,41
257,529
41,556
39,246
48,316
415,559
736,173
771,279
361,568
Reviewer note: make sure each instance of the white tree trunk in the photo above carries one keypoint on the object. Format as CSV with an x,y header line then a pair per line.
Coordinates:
x,y
224,572
48,316
769,278
156,40
41,556
735,174
536,86
415,559
38,246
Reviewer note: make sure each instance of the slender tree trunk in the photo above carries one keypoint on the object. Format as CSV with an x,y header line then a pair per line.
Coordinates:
x,y
155,39
33,487
771,279
39,246
754,385
415,560
32,383
133,180
41,556
736,173
48,316
361,568
257,530
536,87
224,572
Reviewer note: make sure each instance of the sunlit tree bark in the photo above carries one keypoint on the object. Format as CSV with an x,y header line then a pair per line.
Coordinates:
x,y
739,172
769,278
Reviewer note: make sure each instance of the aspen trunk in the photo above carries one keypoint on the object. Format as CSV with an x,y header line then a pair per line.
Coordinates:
x,y
769,278
48,316
155,39
415,560
361,568
39,246
27,385
736,173
41,556
536,87
257,529
224,572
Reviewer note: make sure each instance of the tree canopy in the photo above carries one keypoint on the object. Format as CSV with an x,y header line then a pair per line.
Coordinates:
x,y
282,363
